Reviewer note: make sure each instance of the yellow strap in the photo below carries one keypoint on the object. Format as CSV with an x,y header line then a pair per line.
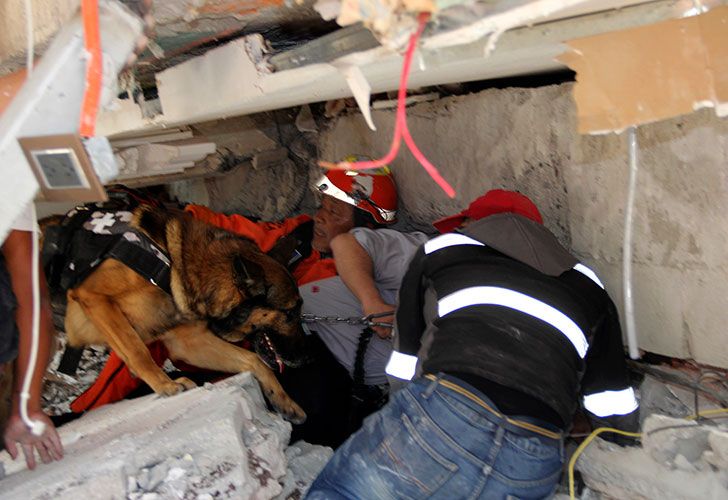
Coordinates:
x,y
473,397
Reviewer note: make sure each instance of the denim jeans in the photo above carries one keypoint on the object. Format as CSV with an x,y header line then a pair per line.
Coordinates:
x,y
431,441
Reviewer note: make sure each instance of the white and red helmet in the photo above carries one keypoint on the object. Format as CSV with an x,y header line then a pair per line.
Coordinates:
x,y
371,190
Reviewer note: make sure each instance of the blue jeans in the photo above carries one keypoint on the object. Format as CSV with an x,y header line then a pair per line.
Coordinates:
x,y
433,440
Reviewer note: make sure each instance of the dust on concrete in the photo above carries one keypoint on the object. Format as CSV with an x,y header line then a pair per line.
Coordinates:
x,y
477,143
525,139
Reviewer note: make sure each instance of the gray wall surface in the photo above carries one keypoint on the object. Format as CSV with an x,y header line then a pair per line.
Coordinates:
x,y
526,140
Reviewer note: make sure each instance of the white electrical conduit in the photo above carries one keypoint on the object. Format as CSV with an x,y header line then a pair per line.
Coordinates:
x,y
37,427
627,247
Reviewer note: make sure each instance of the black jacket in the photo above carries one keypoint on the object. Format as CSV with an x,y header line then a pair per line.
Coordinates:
x,y
504,305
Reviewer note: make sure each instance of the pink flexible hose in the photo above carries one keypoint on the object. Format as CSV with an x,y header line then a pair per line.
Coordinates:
x,y
400,128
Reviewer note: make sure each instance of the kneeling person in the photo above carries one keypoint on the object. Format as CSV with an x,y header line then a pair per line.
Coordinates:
x,y
499,328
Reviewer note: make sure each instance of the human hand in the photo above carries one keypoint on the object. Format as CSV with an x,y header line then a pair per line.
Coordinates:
x,y
376,307
48,445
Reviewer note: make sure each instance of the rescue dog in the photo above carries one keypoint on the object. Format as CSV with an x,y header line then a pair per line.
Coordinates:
x,y
223,288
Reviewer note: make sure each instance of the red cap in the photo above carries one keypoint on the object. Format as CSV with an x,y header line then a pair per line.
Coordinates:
x,y
495,201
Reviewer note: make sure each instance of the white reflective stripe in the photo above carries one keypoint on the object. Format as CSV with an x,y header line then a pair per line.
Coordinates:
x,y
497,296
448,240
588,273
401,365
604,404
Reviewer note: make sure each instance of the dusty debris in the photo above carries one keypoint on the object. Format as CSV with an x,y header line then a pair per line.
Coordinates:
x,y
681,444
216,441
305,121
677,459
270,158
60,389
305,461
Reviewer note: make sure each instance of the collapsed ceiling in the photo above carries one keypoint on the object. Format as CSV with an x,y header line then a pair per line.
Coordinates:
x,y
205,60
305,32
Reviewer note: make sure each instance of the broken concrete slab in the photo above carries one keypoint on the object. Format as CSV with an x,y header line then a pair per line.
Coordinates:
x,y
525,139
305,461
668,391
677,460
675,443
214,441
270,158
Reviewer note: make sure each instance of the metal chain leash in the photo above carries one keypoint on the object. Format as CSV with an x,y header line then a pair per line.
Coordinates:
x,y
352,320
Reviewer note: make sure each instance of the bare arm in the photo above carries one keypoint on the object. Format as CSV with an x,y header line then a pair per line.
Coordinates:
x,y
18,253
356,270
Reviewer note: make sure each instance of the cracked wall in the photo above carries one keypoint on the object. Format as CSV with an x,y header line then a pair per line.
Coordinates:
x,y
526,139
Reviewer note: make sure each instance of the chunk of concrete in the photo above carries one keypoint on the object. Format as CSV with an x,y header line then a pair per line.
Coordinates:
x,y
305,461
631,473
674,442
678,459
270,158
718,454
214,441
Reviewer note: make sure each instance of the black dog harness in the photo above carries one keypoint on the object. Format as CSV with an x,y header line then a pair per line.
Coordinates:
x,y
88,236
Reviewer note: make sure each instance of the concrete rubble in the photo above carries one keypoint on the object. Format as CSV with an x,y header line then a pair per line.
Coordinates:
x,y
678,459
216,441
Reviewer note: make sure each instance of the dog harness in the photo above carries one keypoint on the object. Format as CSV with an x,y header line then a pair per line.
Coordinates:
x,y
89,235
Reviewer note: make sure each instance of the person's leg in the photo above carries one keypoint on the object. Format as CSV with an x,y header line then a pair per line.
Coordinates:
x,y
6,386
432,442
8,345
410,449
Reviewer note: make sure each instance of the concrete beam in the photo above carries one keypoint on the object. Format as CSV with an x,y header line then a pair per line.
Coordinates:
x,y
50,101
214,441
227,81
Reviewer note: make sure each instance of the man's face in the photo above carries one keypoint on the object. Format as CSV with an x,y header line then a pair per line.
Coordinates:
x,y
333,218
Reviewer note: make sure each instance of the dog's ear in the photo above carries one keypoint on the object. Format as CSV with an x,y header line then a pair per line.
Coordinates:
x,y
153,221
249,276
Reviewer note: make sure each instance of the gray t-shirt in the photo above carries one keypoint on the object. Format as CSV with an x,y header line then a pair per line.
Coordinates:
x,y
391,252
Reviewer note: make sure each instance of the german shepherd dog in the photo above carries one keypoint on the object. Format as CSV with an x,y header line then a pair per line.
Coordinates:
x,y
223,288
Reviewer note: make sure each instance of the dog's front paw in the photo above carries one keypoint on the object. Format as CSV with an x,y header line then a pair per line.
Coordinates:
x,y
179,385
293,413
288,408
186,383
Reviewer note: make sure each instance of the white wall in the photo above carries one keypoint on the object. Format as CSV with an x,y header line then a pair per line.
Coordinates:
x,y
48,16
526,139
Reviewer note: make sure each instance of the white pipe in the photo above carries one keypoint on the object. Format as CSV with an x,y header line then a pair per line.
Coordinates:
x,y
627,248
36,426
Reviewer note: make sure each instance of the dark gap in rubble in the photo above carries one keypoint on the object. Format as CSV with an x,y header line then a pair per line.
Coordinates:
x,y
523,81
285,37
464,88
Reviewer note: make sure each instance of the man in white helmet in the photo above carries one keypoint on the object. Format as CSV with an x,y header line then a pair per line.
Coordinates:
x,y
347,234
